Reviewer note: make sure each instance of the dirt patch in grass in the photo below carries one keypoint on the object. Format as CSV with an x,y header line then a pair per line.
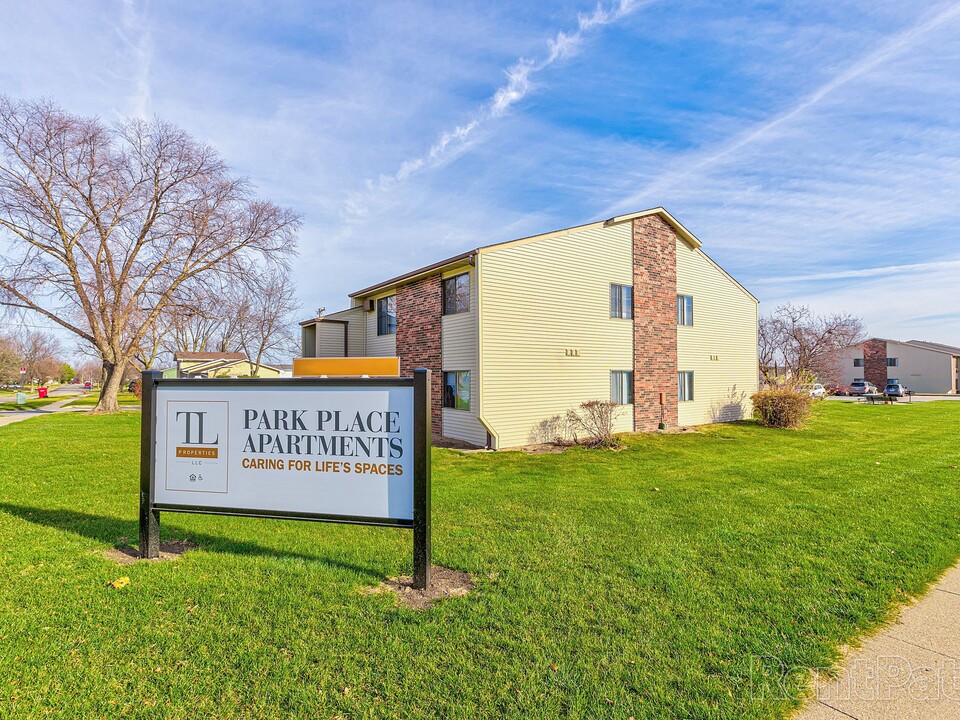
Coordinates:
x,y
452,443
169,550
444,583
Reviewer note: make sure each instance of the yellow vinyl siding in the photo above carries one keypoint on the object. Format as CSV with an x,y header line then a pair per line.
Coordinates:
x,y
459,352
540,300
378,345
724,327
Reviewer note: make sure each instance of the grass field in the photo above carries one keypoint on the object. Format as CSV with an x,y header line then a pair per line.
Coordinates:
x,y
689,576
91,399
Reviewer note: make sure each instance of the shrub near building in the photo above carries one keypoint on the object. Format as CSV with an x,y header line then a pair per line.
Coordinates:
x,y
781,407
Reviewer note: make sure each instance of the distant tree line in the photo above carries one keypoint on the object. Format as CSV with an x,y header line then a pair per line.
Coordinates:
x,y
41,354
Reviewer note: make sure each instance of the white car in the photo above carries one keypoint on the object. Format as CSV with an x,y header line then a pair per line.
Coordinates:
x,y
862,387
816,390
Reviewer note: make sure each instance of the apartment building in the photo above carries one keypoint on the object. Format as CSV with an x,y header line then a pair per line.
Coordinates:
x,y
629,309
922,366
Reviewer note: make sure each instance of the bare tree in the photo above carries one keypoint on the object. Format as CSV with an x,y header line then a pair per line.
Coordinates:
x,y
267,327
252,314
106,224
90,371
41,354
794,340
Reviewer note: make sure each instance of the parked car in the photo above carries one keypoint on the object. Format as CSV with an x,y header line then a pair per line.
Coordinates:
x,y
837,389
815,390
895,390
88,385
862,387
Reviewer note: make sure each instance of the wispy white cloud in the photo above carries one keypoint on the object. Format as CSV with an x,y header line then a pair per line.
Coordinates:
x,y
763,130
135,33
518,85
871,272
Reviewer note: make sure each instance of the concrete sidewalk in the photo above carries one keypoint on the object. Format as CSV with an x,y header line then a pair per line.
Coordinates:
x,y
7,418
909,670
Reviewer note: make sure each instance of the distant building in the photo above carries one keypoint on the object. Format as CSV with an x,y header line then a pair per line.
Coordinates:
x,y
222,365
629,309
921,366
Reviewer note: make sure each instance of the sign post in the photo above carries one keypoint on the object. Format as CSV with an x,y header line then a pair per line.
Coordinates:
x,y
342,450
422,441
149,517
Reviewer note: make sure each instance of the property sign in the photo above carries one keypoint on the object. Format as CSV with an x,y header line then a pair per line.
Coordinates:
x,y
345,450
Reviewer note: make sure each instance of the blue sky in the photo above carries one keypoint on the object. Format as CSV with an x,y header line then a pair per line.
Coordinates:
x,y
814,147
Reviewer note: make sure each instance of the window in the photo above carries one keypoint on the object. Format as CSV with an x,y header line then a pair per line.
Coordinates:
x,y
684,309
387,315
621,387
858,362
621,301
456,294
893,362
456,389
685,385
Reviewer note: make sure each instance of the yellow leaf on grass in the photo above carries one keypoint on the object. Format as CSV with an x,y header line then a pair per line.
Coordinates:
x,y
120,582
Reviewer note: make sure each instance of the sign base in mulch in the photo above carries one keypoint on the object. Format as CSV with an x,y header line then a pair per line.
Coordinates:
x,y
169,550
444,583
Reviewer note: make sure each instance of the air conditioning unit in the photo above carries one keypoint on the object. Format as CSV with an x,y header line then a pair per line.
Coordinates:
x,y
370,305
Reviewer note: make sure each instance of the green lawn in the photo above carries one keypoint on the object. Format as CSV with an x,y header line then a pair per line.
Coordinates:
x,y
656,582
91,399
28,405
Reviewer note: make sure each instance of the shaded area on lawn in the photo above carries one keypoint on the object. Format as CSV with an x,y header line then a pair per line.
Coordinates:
x,y
117,532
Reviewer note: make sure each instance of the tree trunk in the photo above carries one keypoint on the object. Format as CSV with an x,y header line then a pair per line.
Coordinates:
x,y
111,387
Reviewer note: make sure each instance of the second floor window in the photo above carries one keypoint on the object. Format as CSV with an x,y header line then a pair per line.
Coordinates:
x,y
858,362
684,309
456,294
621,301
893,362
387,315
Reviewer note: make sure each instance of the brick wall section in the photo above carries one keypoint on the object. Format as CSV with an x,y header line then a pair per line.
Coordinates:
x,y
419,312
875,362
654,323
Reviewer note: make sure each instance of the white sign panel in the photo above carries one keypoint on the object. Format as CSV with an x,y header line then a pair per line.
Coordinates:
x,y
318,450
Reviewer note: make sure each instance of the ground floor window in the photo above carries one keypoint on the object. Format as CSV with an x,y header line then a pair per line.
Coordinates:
x,y
621,387
456,389
685,385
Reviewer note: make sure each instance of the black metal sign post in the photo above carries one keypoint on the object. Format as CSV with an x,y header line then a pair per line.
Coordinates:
x,y
422,440
422,444
149,516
